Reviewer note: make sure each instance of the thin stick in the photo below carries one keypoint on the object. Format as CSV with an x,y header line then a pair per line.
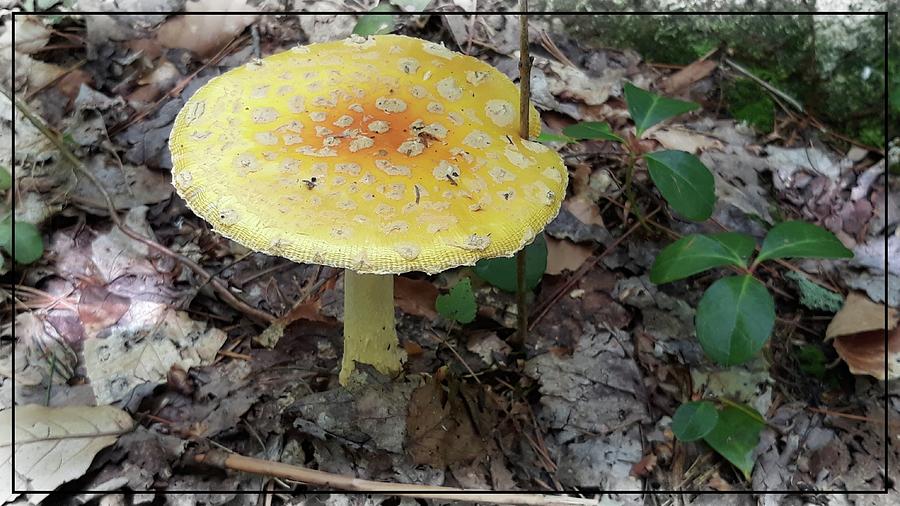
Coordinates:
x,y
221,289
524,111
237,462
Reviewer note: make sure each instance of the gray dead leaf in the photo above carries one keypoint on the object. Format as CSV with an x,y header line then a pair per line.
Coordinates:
x,y
32,74
572,84
567,226
737,181
591,404
669,320
787,161
54,445
865,271
749,383
543,99
147,341
325,27
371,413
146,141
31,144
140,458
129,186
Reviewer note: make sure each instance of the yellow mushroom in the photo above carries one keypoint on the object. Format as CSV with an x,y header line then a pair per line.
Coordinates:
x,y
379,155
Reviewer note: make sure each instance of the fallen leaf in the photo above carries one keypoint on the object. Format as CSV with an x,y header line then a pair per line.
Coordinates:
x,y
584,209
415,296
858,333
31,34
99,308
644,466
149,339
685,140
206,34
569,83
564,255
54,445
688,75
439,429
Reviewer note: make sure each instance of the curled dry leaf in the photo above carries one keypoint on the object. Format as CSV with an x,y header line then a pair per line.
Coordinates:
x,y
685,140
858,333
54,445
694,72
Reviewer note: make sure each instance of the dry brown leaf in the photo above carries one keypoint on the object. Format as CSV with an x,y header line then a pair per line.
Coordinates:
x,y
439,429
204,35
685,140
99,308
563,255
584,209
54,445
415,297
689,75
858,333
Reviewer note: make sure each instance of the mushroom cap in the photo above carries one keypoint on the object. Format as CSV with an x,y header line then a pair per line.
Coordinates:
x,y
383,154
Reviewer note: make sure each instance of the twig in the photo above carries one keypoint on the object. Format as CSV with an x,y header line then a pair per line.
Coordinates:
x,y
238,462
849,416
524,111
221,289
784,96
233,354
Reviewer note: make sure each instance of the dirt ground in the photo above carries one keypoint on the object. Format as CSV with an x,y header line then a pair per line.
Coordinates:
x,y
102,319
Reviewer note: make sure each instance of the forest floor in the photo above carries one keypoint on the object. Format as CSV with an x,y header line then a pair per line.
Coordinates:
x,y
102,319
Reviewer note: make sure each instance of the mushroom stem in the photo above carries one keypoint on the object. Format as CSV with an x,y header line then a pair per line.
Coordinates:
x,y
370,336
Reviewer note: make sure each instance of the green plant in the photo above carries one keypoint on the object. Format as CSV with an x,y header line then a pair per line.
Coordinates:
x,y
501,272
732,429
458,305
28,245
736,314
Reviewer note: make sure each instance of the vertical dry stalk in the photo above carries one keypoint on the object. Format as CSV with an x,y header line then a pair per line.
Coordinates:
x,y
524,105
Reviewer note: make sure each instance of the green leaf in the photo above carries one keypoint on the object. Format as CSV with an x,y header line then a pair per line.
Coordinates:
x,y
811,360
459,304
551,137
798,239
592,130
736,435
5,179
696,253
693,420
734,319
29,245
501,272
648,109
6,234
684,182
376,24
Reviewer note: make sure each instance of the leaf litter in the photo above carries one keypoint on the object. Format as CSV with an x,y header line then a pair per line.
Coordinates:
x,y
587,403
